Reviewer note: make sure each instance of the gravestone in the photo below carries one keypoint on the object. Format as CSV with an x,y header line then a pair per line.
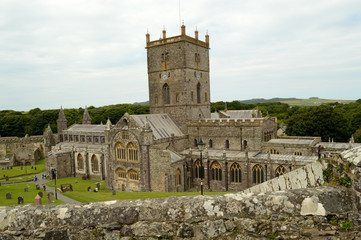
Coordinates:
x,y
113,193
8,196
26,189
4,175
50,197
35,168
21,168
40,194
37,187
76,180
98,185
32,167
7,178
11,168
20,200
37,200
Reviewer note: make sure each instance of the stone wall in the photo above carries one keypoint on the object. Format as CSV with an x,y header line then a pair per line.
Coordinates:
x,y
312,213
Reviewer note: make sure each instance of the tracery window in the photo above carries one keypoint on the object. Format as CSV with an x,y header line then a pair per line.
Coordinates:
x,y
178,177
258,175
120,173
280,171
199,169
95,164
236,173
125,135
133,175
166,94
120,152
216,171
80,162
132,152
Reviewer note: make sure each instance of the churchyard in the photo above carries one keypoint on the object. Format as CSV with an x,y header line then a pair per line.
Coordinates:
x,y
26,190
80,191
21,172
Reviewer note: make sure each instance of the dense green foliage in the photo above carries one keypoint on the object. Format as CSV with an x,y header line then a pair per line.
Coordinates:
x,y
13,123
333,120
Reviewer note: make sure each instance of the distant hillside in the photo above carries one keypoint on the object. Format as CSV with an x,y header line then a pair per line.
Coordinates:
x,y
312,101
146,103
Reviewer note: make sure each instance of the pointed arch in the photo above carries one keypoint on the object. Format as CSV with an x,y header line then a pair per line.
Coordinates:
x,y
166,94
199,169
132,152
258,174
80,162
121,174
95,164
236,173
120,153
280,170
216,171
133,175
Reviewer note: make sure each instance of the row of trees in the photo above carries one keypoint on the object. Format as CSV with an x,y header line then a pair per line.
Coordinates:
x,y
335,121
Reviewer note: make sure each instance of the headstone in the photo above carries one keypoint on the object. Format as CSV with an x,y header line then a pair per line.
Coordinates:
x,y
76,180
4,175
21,168
37,187
7,178
50,197
113,193
32,167
35,168
26,189
37,200
20,200
8,196
40,194
11,168
98,185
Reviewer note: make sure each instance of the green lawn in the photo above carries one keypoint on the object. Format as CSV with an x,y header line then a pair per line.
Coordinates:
x,y
27,170
17,190
80,192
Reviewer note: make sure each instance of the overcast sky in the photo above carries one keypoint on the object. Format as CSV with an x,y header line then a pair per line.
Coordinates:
x,y
85,52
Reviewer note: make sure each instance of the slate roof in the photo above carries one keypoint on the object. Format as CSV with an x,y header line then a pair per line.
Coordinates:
x,y
162,125
287,157
91,128
334,145
291,141
237,114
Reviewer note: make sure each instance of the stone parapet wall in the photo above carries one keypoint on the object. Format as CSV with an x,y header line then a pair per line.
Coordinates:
x,y
294,214
310,175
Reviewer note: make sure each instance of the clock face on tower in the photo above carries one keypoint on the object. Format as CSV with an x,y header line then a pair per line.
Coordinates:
x,y
164,76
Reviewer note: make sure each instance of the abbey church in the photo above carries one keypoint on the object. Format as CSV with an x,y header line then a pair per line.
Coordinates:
x,y
163,151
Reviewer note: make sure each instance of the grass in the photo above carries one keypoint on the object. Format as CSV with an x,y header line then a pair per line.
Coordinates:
x,y
27,170
81,194
17,190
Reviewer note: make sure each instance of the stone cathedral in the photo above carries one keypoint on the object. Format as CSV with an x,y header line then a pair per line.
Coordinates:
x,y
158,151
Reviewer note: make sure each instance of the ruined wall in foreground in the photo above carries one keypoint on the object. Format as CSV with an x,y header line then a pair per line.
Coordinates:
x,y
312,213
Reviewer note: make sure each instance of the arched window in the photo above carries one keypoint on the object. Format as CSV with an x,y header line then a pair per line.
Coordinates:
x,y
258,174
166,94
132,152
274,151
195,142
178,177
210,143
133,175
245,144
236,173
199,93
280,171
120,152
120,173
80,162
199,169
95,164
227,144
298,153
216,171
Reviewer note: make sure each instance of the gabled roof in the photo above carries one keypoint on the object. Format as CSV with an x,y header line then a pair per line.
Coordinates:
x,y
91,128
162,125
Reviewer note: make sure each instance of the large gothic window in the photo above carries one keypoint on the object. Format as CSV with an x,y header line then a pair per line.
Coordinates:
x,y
133,175
132,152
280,171
216,171
199,169
120,152
199,93
236,173
258,174
121,174
80,162
166,94
178,177
95,164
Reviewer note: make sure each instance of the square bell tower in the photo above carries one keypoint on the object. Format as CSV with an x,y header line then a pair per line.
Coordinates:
x,y
178,77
